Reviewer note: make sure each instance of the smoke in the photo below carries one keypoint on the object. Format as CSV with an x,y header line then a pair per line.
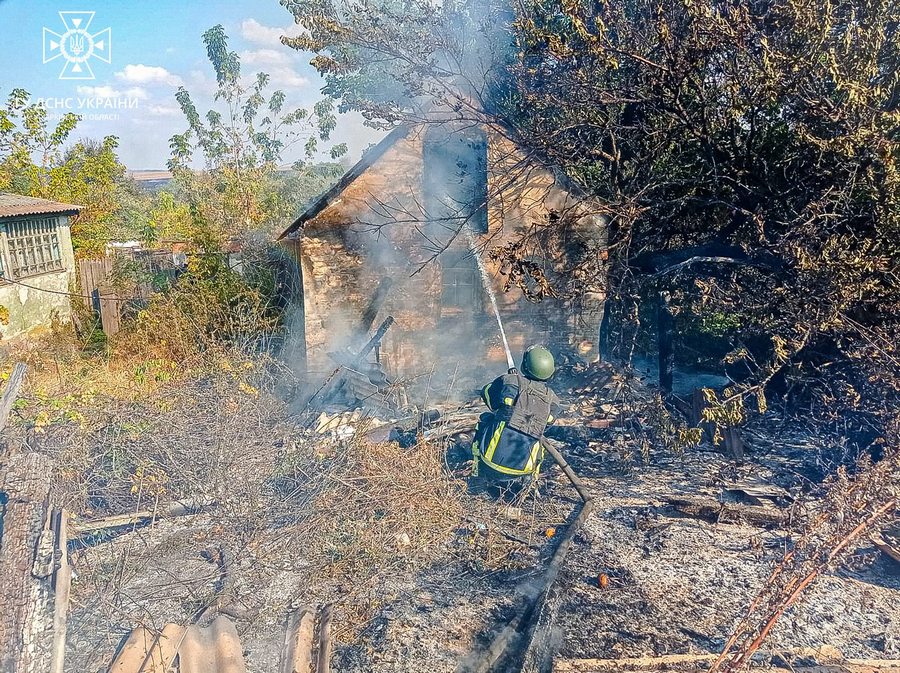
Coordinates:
x,y
403,221
406,219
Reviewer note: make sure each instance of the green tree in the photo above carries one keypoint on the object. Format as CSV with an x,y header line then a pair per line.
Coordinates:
x,y
29,147
241,143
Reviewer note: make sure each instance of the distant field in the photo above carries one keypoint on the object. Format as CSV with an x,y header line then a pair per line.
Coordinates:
x,y
150,176
151,179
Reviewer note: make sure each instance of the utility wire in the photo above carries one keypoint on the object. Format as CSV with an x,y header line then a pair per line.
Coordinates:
x,y
5,279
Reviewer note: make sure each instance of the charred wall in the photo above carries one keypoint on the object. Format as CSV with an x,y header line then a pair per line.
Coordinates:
x,y
381,227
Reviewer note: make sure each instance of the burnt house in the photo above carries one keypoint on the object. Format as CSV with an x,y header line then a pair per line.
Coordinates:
x,y
398,236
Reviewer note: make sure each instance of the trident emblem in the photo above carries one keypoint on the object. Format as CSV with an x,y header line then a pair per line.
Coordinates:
x,y
77,46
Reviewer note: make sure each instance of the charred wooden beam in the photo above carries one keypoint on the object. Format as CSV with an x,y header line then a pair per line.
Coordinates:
x,y
716,511
338,379
373,342
603,338
26,564
62,584
375,304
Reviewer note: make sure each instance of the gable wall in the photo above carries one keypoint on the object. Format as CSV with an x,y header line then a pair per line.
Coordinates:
x,y
374,230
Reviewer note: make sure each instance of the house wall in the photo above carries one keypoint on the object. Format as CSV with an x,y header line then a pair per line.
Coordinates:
x,y
46,297
375,230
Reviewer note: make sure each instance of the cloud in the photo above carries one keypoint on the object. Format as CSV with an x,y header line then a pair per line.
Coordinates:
x,y
281,77
263,57
108,91
270,36
165,110
279,64
148,74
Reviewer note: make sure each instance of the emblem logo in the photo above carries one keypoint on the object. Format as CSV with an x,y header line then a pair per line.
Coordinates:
x,y
77,45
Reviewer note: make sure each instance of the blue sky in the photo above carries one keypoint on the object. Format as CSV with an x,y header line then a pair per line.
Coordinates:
x,y
155,46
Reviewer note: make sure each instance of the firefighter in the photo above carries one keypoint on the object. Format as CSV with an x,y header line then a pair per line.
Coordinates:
x,y
507,444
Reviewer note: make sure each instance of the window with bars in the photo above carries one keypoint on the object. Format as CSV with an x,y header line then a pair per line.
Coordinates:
x,y
33,247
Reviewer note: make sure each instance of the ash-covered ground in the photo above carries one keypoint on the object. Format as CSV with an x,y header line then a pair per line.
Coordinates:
x,y
432,588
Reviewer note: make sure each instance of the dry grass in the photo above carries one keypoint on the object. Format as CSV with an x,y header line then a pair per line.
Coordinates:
x,y
301,517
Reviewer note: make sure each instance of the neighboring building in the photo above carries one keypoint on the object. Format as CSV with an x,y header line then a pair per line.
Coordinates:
x,y
37,263
367,250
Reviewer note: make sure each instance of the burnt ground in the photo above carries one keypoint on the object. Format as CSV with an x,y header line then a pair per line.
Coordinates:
x,y
676,583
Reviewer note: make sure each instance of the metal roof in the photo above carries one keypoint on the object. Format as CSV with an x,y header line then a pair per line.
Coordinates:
x,y
12,205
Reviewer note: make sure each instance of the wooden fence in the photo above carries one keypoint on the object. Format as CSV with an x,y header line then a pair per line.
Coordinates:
x,y
101,296
98,294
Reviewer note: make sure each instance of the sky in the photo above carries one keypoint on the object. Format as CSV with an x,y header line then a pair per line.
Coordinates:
x,y
150,49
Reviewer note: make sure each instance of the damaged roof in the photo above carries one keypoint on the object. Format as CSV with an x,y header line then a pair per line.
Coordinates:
x,y
16,205
328,197
368,159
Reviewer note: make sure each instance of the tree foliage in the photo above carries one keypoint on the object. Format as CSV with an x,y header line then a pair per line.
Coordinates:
x,y
36,161
745,154
241,142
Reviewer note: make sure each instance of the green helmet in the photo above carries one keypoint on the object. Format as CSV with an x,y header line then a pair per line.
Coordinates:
x,y
537,364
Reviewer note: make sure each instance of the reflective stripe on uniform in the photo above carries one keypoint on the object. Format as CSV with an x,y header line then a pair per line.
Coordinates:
x,y
531,467
535,458
508,401
495,440
505,470
486,396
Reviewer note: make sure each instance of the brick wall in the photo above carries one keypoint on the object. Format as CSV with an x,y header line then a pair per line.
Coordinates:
x,y
376,229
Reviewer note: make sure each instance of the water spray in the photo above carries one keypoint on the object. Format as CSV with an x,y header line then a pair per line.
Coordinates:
x,y
486,281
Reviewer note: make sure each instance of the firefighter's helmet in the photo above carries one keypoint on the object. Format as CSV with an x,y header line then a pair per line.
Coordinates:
x,y
537,364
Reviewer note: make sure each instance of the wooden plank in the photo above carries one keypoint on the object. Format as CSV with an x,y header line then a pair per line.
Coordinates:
x,y
25,591
296,655
62,582
93,274
629,663
11,392
826,659
110,314
172,509
714,510
576,666
323,660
